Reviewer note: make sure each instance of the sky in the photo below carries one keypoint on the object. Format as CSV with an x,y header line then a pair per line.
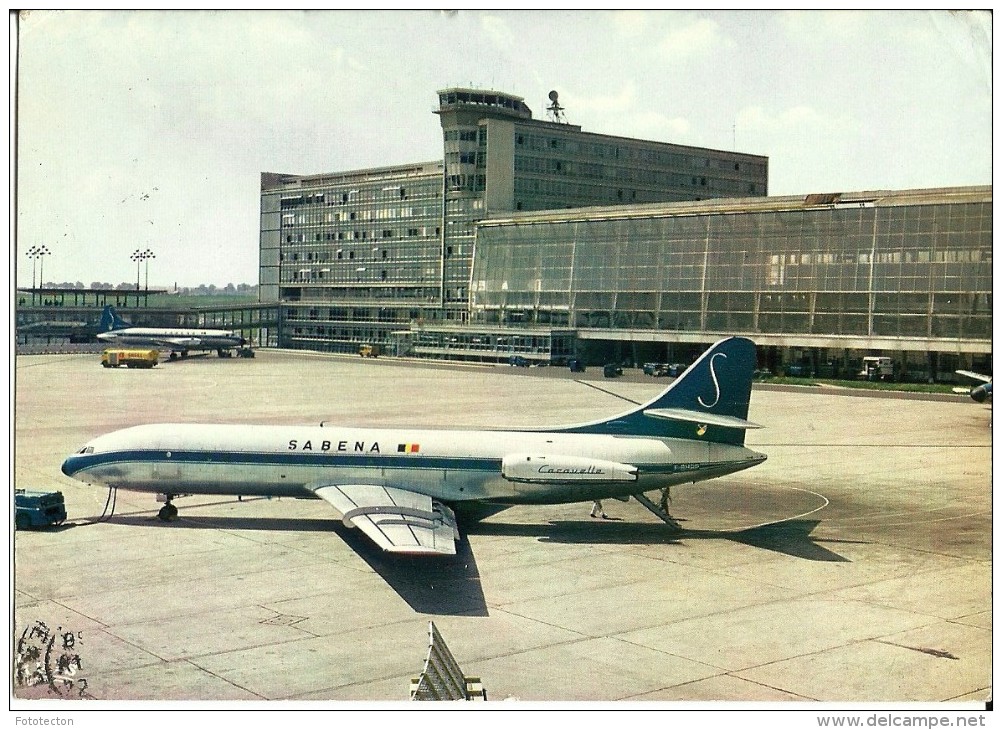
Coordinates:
x,y
148,130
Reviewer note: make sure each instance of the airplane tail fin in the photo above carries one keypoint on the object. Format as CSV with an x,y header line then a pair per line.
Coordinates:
x,y
708,401
111,321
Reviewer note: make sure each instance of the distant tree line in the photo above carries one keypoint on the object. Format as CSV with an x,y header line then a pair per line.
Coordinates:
x,y
201,289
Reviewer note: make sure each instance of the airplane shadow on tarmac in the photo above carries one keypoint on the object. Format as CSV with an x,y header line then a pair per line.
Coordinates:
x,y
791,538
450,585
439,585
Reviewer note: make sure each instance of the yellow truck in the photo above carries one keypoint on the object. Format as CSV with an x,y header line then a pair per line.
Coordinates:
x,y
369,351
130,358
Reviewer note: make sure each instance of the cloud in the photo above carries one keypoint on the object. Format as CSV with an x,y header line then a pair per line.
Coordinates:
x,y
808,149
618,102
696,39
498,31
631,23
623,113
660,128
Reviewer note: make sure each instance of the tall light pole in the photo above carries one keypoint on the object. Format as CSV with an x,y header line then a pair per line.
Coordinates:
x,y
149,255
141,257
35,253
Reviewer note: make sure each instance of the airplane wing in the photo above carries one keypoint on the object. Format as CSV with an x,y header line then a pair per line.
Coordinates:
x,y
397,520
975,376
177,342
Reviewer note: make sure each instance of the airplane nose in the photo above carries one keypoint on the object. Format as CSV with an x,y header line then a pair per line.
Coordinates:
x,y
243,341
67,467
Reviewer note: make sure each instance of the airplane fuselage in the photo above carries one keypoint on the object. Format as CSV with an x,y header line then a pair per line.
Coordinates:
x,y
451,466
174,339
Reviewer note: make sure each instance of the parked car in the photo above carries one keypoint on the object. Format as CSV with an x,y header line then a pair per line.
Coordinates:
x,y
576,366
612,370
517,361
656,369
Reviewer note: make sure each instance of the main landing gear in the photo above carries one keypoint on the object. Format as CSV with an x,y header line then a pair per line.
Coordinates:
x,y
168,512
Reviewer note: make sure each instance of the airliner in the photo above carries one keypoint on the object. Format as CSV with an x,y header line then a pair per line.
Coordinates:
x,y
115,331
402,486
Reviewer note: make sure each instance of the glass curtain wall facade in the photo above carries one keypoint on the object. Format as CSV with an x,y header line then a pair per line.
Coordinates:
x,y
905,270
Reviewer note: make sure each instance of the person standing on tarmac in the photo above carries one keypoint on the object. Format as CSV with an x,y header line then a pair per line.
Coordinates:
x,y
597,511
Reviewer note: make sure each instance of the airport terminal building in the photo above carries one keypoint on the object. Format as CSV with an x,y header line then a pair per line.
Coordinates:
x,y
360,256
810,278
535,239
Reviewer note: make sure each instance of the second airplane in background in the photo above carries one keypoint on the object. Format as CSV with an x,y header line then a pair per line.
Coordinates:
x,y
115,331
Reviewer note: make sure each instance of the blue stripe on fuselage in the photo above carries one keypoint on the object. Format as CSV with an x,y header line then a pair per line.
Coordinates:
x,y
82,462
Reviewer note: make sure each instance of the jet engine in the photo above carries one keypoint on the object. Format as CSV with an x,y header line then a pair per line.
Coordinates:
x,y
539,469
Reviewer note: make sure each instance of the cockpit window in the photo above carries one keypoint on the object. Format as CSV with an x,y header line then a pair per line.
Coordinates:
x,y
86,450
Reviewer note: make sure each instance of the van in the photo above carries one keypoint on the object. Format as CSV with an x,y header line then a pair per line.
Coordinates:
x,y
877,368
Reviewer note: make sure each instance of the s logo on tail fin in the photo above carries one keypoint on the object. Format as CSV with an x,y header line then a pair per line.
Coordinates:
x,y
709,400
107,323
716,383
111,321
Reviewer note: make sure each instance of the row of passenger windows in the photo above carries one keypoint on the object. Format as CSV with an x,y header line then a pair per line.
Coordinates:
x,y
374,254
386,233
636,154
290,220
357,195
624,173
466,135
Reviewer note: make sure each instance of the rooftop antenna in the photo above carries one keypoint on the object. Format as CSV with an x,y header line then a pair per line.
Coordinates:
x,y
554,110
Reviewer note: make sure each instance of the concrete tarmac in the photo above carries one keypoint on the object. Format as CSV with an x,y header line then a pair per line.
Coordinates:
x,y
852,566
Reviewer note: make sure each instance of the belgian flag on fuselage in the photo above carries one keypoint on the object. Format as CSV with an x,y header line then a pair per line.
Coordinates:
x,y
709,401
